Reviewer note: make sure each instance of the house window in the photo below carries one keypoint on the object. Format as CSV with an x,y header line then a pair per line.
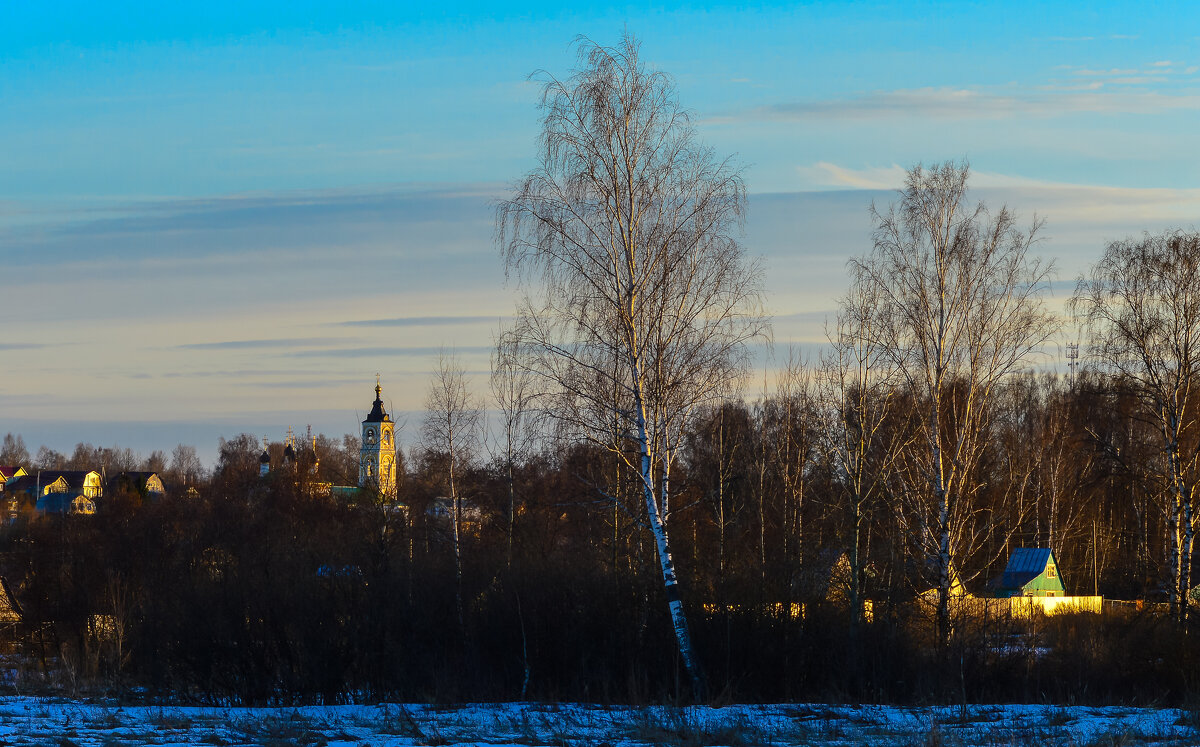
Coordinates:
x,y
1051,572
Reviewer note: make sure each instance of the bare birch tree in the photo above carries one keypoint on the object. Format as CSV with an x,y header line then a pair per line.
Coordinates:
x,y
451,429
513,390
1142,306
789,424
185,466
716,456
639,299
856,381
961,300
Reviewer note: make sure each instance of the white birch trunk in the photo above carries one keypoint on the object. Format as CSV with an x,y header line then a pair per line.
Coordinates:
x,y
456,517
658,528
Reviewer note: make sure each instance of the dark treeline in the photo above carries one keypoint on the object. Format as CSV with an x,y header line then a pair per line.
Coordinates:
x,y
259,590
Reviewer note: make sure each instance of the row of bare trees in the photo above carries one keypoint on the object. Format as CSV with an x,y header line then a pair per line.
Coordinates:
x,y
552,589
639,306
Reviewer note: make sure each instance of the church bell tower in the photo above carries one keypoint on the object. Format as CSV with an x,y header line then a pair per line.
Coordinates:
x,y
377,456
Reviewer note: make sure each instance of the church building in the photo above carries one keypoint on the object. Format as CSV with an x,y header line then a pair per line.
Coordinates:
x,y
376,458
377,455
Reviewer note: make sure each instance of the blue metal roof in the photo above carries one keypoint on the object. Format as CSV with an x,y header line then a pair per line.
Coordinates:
x,y
1028,559
1024,565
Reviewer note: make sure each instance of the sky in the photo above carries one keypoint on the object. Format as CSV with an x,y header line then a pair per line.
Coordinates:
x,y
226,217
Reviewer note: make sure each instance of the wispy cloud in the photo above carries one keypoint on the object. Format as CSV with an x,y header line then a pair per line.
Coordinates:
x,y
385,352
1081,208
1156,72
289,223
320,384
807,316
287,342
833,175
244,373
418,321
20,345
892,177
1091,85
1111,71
951,103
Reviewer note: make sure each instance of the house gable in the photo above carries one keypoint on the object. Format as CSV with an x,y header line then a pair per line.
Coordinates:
x,y
10,473
85,482
58,485
93,485
1031,572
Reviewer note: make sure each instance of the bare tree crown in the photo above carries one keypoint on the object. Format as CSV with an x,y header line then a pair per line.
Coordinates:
x,y
1141,305
627,228
957,297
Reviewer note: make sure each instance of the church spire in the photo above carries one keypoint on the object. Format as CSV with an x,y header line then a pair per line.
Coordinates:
x,y
378,414
377,454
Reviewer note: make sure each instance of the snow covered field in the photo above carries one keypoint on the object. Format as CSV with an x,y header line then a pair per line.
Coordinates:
x,y
38,721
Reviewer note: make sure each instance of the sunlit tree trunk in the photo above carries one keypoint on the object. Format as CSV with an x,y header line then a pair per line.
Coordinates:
x,y
639,299
1142,305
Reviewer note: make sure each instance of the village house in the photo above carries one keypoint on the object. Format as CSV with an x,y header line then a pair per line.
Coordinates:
x,y
147,485
1031,572
1032,584
10,473
56,491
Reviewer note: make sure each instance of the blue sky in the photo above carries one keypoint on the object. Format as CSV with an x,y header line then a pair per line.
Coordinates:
x,y
222,217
